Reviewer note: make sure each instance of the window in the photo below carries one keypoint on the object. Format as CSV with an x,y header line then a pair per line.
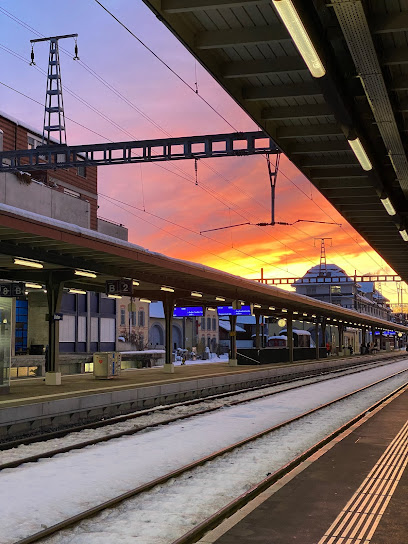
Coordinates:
x,y
94,329
311,290
33,141
122,316
208,323
81,328
133,317
203,323
214,324
335,289
141,318
67,329
81,171
69,192
107,329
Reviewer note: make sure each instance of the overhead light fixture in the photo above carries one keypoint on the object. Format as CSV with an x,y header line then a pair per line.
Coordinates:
x,y
135,283
386,202
404,235
304,315
145,300
195,294
168,289
296,313
297,31
360,154
272,308
85,273
77,292
211,309
31,264
114,296
284,310
220,299
257,306
34,285
313,315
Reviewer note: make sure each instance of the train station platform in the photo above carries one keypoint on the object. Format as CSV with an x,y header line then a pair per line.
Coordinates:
x,y
355,491
32,405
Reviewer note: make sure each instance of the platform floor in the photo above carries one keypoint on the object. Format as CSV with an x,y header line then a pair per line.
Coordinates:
x,y
31,390
354,492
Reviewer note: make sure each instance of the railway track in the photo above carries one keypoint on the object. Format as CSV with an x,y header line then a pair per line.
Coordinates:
x,y
211,404
299,375
220,462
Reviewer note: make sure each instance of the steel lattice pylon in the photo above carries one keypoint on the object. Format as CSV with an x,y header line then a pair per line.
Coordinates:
x,y
54,117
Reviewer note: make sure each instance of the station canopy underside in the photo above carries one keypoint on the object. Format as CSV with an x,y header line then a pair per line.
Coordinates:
x,y
364,94
63,248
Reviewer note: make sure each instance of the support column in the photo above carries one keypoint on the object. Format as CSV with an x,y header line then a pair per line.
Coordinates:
x,y
233,341
317,340
289,332
168,306
54,285
380,340
324,332
257,330
341,338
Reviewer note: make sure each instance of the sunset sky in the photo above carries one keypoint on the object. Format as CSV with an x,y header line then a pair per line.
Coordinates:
x,y
161,205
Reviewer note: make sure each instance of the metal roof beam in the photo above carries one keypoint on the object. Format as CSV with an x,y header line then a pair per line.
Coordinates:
x,y
338,173
335,162
260,67
180,6
395,57
308,148
344,184
217,39
308,131
296,112
270,92
389,22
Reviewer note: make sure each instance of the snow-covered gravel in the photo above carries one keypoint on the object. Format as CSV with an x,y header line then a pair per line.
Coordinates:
x,y
155,416
51,490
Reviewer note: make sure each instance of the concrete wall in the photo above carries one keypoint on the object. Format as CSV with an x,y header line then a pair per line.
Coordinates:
x,y
112,229
38,198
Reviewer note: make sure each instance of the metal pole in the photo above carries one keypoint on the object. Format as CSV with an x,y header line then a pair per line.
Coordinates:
x,y
233,341
54,296
168,305
289,332
257,330
317,340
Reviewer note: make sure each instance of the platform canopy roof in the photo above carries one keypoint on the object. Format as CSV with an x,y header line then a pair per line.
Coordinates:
x,y
61,248
363,94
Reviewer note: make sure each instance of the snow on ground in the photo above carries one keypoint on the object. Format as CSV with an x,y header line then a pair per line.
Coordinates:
x,y
51,490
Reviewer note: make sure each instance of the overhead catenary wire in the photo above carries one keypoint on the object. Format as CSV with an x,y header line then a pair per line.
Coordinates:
x,y
122,97
28,27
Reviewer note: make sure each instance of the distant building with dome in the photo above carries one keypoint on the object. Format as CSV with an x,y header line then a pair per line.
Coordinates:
x,y
362,297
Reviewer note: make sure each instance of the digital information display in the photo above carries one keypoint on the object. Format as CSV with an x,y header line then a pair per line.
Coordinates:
x,y
188,311
229,310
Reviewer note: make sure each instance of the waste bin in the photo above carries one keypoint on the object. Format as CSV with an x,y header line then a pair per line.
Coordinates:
x,y
106,365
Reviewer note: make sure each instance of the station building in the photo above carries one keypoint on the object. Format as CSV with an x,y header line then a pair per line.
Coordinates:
x,y
89,319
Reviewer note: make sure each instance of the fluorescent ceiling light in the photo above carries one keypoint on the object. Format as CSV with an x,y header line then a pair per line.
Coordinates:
x,y
221,299
284,310
294,26
211,309
305,315
404,235
360,154
257,306
77,292
31,264
85,273
388,206
135,283
114,296
195,294
145,300
295,312
168,289
34,285
272,308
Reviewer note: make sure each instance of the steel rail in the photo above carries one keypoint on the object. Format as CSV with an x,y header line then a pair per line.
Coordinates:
x,y
182,470
125,417
214,520
129,432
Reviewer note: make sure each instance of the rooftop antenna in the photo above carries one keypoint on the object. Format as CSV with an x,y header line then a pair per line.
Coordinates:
x,y
54,118
273,171
323,263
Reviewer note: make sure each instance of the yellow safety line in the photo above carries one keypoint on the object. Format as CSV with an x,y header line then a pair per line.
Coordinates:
x,y
359,519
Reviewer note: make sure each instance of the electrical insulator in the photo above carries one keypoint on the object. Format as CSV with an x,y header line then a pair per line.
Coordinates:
x,y
32,63
76,51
